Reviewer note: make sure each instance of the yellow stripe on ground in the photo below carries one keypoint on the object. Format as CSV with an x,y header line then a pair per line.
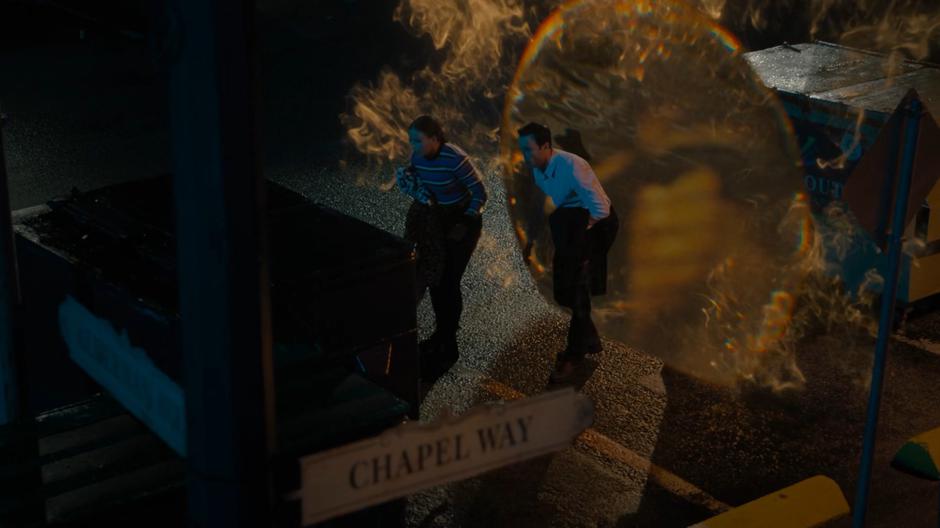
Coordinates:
x,y
813,502
593,440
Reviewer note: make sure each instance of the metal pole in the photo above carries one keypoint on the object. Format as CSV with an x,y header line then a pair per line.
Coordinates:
x,y
23,444
885,323
223,285
9,298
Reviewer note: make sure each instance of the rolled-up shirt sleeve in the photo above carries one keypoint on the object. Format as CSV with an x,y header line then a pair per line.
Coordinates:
x,y
589,190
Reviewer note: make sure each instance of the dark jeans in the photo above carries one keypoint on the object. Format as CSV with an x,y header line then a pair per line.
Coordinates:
x,y
580,254
446,295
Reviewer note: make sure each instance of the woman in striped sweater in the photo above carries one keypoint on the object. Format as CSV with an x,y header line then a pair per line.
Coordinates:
x,y
444,222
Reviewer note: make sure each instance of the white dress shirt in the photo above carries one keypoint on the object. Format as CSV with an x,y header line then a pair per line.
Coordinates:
x,y
570,182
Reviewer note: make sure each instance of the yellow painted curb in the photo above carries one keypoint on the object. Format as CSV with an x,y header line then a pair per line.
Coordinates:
x,y
812,502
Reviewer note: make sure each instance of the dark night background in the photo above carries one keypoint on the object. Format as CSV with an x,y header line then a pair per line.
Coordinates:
x,y
94,71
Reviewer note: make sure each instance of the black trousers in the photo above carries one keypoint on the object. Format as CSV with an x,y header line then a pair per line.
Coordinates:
x,y
582,333
579,271
447,294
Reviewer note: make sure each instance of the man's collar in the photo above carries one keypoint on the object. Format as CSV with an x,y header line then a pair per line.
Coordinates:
x,y
549,170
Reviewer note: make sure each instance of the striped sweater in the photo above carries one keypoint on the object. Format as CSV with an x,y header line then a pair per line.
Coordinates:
x,y
449,178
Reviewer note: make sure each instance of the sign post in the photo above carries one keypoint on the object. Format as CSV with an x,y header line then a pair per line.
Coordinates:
x,y
913,110
221,256
413,456
9,391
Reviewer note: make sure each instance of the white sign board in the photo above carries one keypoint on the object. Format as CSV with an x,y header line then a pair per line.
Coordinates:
x,y
126,372
414,456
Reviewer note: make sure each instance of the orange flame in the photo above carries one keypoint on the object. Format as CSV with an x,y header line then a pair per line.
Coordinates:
x,y
472,36
474,39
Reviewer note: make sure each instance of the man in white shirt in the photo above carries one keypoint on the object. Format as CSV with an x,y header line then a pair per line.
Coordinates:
x,y
583,226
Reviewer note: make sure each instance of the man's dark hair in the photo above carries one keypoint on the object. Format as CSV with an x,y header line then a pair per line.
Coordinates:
x,y
429,126
540,133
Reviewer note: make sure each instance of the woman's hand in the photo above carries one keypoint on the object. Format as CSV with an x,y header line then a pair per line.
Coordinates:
x,y
405,179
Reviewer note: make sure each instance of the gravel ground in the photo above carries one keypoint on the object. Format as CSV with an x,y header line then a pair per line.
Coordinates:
x,y
736,445
511,334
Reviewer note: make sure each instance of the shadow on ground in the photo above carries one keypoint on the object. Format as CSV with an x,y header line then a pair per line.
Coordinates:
x,y
741,445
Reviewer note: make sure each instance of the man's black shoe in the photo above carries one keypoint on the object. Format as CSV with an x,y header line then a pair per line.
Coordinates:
x,y
565,367
429,346
592,349
438,355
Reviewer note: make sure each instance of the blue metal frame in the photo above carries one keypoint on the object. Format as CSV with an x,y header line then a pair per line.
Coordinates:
x,y
222,265
9,391
888,298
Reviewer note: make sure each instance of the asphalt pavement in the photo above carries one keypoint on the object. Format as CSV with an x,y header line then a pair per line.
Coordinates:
x,y
666,449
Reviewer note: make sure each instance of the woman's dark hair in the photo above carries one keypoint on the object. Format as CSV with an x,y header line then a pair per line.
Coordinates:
x,y
429,126
540,133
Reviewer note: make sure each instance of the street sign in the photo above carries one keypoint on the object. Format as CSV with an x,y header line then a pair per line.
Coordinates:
x,y
125,371
414,456
872,190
